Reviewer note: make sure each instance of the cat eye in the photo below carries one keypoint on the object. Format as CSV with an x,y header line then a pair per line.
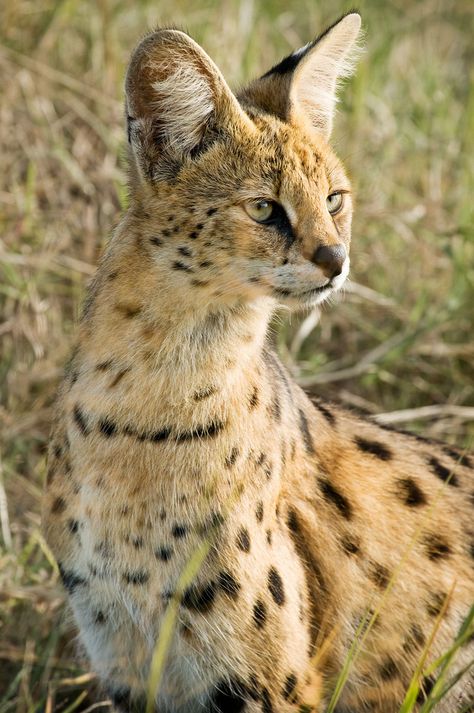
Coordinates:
x,y
334,202
262,211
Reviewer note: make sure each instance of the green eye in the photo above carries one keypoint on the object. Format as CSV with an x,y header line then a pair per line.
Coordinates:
x,y
260,210
334,202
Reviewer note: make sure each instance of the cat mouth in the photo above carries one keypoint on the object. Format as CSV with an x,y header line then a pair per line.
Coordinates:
x,y
305,293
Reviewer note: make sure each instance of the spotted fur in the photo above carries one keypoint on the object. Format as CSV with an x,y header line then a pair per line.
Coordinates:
x,y
176,423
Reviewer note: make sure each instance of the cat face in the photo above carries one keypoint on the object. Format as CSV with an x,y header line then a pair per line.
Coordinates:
x,y
248,198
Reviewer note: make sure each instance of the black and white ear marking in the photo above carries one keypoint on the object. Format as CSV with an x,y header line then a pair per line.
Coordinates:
x,y
314,86
304,84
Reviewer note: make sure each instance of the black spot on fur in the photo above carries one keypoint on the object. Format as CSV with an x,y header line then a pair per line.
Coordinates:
x,y
259,511
204,393
137,542
267,469
228,584
130,120
71,580
185,251
435,603
269,537
289,687
156,436
335,497
436,547
193,235
415,639
259,614
128,311
232,457
243,540
156,241
206,263
253,398
253,688
208,431
213,522
121,698
375,448
125,702
410,493
275,585
304,428
104,365
118,377
211,211
388,670
199,599
292,449
426,688
80,420
107,428
58,506
178,265
228,698
138,577
179,531
316,580
445,474
417,634
261,459
266,702
73,526
100,618
292,521
328,415
350,545
459,458
164,554
379,574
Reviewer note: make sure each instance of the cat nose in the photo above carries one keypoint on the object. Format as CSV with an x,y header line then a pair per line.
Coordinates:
x,y
330,258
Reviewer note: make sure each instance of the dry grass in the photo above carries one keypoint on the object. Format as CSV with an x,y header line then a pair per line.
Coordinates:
x,y
398,341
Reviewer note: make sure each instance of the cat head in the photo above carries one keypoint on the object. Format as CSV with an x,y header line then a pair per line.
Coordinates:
x,y
242,195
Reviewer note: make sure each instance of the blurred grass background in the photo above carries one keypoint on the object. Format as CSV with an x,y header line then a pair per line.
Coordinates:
x,y
399,340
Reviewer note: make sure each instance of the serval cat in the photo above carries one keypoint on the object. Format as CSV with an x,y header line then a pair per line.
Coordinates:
x,y
177,424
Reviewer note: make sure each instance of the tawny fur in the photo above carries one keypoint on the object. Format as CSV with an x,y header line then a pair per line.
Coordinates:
x,y
177,425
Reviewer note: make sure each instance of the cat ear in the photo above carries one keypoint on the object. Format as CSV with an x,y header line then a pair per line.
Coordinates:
x,y
305,82
176,101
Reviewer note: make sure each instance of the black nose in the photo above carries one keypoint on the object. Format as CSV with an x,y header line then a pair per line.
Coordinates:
x,y
330,258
